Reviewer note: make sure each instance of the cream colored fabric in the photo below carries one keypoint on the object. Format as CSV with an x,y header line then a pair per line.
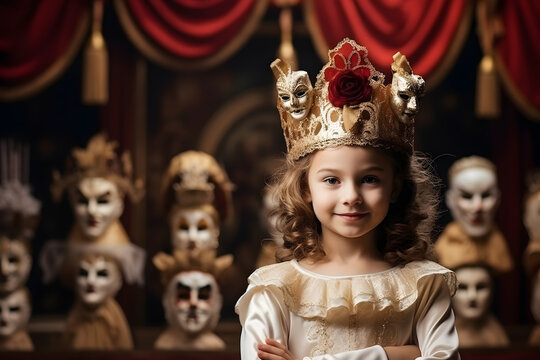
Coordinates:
x,y
455,248
104,328
350,317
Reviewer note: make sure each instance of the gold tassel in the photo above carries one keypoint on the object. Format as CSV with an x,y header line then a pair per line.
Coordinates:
x,y
487,89
95,84
487,84
286,50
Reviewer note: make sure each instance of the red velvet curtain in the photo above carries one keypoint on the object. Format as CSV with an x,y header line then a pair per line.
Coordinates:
x,y
38,40
428,32
189,33
518,54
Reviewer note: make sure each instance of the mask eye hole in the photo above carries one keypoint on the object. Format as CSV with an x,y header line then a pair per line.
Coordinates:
x,y
202,225
285,97
404,96
14,309
182,292
183,225
204,292
13,259
103,273
83,272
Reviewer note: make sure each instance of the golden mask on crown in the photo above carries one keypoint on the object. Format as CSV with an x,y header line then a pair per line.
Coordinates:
x,y
349,104
295,92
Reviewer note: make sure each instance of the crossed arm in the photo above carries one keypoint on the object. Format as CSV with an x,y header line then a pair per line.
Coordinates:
x,y
273,350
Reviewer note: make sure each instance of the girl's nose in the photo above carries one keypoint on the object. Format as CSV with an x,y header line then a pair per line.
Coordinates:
x,y
352,194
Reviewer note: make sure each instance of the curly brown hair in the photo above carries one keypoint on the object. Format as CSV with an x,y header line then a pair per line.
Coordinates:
x,y
403,236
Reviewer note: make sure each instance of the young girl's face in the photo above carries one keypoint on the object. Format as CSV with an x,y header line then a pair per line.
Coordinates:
x,y
350,188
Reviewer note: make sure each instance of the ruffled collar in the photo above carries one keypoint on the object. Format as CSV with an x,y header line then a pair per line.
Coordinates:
x,y
309,294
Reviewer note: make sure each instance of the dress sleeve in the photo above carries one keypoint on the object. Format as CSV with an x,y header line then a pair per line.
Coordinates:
x,y
263,315
435,330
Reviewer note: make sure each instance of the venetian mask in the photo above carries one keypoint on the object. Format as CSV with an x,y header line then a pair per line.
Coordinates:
x,y
97,280
192,301
296,94
15,264
97,203
473,296
194,228
405,92
14,312
473,198
531,218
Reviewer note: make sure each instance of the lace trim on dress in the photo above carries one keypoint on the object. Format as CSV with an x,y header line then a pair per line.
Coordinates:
x,y
311,295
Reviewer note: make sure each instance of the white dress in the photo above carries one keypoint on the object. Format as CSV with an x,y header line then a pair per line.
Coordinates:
x,y
350,317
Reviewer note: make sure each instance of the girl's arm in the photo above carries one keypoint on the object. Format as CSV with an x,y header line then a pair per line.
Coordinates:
x,y
435,330
273,350
262,315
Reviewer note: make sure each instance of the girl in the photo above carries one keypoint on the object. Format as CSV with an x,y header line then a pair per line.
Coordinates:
x,y
355,210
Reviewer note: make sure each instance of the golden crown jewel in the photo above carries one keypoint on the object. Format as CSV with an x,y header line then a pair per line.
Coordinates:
x,y
349,105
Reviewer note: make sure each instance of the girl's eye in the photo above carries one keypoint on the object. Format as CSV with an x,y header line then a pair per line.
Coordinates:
x,y
370,179
331,181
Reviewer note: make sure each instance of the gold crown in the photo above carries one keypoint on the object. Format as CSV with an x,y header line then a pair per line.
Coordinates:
x,y
99,159
349,105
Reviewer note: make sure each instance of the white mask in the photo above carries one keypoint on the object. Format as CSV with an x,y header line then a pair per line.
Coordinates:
x,y
97,203
531,219
473,296
296,94
192,302
97,281
473,199
14,312
194,229
15,264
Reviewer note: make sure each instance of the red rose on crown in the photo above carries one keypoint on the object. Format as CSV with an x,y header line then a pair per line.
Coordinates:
x,y
348,76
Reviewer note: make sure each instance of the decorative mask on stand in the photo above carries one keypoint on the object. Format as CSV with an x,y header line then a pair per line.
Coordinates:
x,y
15,264
473,297
192,302
98,278
97,179
97,203
192,299
15,312
473,196
194,227
198,199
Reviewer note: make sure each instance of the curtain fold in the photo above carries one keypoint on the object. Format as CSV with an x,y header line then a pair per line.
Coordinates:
x,y
189,34
38,41
518,54
430,33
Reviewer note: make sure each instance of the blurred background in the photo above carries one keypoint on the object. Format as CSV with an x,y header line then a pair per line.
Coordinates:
x,y
184,74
